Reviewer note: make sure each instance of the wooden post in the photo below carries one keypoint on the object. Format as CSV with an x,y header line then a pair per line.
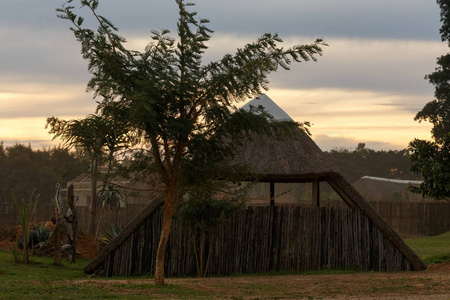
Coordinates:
x,y
58,226
316,193
272,193
72,224
338,189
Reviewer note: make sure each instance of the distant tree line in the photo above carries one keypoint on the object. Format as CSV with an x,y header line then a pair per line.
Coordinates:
x,y
392,164
24,170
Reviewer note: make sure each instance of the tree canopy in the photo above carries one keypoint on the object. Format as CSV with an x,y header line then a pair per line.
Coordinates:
x,y
430,158
363,161
99,137
24,170
184,109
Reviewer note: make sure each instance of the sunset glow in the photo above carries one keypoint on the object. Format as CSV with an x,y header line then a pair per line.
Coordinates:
x,y
367,87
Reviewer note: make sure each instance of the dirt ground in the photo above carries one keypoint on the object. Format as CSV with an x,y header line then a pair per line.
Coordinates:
x,y
433,283
10,235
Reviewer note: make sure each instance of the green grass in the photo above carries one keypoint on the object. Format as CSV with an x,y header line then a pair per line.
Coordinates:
x,y
40,279
42,268
433,249
43,280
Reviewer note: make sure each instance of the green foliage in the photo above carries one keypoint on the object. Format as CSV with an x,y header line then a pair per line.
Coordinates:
x,y
392,164
432,161
96,135
101,137
110,196
437,111
183,110
111,233
24,170
26,213
43,234
445,19
15,253
430,158
203,213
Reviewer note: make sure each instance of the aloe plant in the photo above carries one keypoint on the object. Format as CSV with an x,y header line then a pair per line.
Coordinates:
x,y
43,234
112,233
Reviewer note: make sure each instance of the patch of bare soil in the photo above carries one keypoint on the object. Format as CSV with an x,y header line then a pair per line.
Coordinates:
x,y
433,283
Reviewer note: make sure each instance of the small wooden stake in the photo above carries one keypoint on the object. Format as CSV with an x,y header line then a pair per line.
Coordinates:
x,y
315,193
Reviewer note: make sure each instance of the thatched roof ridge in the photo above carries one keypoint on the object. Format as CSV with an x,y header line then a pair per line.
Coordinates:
x,y
285,157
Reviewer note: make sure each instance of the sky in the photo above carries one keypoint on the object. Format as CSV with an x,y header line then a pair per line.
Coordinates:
x,y
366,88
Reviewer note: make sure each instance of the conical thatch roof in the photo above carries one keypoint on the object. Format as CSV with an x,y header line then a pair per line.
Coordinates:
x,y
282,157
270,106
287,157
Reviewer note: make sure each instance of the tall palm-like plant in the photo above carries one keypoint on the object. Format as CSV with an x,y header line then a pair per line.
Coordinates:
x,y
100,137
109,196
26,214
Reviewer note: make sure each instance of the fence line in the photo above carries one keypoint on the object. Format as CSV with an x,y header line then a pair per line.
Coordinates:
x,y
262,239
416,218
407,218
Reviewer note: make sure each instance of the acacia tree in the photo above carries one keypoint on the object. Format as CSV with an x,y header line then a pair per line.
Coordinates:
x,y
431,158
184,109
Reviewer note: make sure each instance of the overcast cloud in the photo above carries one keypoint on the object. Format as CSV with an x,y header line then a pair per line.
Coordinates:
x,y
378,56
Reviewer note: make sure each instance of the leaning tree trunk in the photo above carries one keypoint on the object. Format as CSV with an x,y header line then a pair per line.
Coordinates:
x,y
168,212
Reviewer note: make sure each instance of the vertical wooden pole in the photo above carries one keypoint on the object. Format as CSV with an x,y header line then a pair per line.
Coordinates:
x,y
57,230
72,223
272,193
315,193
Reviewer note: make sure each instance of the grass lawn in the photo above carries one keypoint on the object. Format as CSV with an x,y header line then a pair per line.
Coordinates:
x,y
433,249
43,280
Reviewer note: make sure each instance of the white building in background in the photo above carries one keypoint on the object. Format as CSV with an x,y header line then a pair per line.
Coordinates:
x,y
384,189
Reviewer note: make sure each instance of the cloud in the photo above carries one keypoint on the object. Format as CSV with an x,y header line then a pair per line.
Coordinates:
x,y
369,83
375,65
35,99
340,113
401,19
41,56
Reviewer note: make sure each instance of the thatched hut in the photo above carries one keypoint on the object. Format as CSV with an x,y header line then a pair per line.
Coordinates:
x,y
297,158
370,242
